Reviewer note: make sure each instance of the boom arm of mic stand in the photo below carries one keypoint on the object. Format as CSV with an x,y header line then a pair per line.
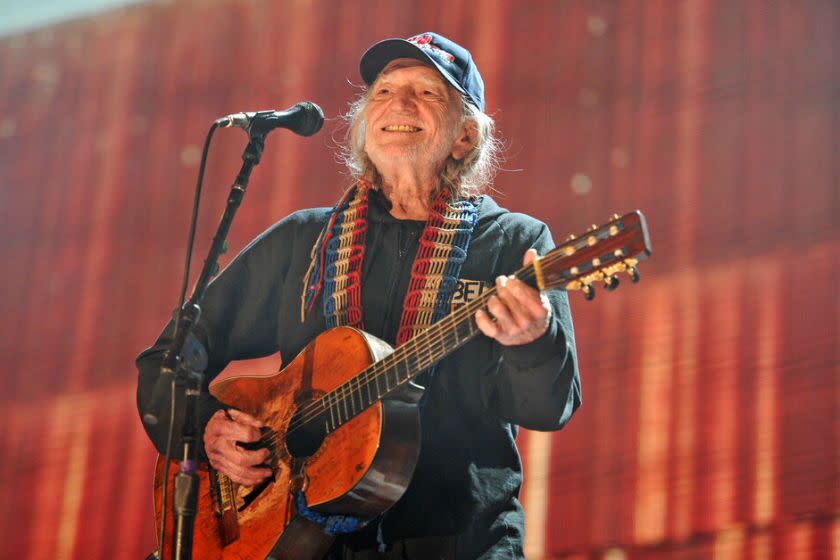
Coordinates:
x,y
186,481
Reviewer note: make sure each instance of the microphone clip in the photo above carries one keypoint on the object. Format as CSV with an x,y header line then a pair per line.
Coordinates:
x,y
253,122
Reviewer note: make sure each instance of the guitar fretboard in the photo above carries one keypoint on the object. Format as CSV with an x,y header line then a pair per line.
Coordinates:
x,y
596,255
407,361
403,364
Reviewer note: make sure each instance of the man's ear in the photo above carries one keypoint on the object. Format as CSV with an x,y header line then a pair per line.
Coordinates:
x,y
465,141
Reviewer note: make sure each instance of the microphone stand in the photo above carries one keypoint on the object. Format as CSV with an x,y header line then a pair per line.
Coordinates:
x,y
188,371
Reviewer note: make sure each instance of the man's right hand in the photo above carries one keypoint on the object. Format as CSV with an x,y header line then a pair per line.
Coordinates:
x,y
224,430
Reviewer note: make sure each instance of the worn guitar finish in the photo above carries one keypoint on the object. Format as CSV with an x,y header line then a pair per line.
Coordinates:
x,y
380,445
342,417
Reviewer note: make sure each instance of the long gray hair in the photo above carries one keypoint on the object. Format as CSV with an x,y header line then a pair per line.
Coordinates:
x,y
466,177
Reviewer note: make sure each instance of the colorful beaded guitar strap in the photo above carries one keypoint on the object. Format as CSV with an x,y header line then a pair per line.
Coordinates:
x,y
336,262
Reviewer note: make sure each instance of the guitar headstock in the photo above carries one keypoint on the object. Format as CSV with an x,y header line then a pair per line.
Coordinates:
x,y
597,255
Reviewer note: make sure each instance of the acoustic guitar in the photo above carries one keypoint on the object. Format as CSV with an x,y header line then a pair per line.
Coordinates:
x,y
342,418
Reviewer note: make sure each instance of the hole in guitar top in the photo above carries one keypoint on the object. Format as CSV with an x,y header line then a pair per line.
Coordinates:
x,y
307,429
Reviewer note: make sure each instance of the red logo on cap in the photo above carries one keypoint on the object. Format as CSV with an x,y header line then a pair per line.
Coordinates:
x,y
425,42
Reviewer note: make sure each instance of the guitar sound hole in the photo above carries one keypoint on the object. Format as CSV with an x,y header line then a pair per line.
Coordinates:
x,y
306,432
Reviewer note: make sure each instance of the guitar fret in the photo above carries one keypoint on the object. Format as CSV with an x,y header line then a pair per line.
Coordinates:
x,y
343,399
435,348
369,395
385,374
430,354
351,393
358,406
471,326
379,392
411,364
331,425
402,364
360,389
454,330
355,400
392,383
334,412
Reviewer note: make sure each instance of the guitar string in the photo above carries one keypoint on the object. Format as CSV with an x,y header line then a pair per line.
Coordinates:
x,y
353,389
347,392
367,377
429,340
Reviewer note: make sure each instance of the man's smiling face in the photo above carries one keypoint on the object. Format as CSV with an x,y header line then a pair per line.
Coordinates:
x,y
413,115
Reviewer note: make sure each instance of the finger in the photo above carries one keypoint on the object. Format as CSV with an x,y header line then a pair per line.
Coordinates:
x,y
502,314
529,256
222,424
238,458
253,457
254,473
534,308
233,432
216,422
524,296
244,418
485,324
516,317
227,447
228,433
247,476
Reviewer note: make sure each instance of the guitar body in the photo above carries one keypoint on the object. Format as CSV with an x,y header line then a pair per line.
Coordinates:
x,y
362,468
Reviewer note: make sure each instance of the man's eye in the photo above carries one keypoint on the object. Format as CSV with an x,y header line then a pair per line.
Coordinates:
x,y
382,91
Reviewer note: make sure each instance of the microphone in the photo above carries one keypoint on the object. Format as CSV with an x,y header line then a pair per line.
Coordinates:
x,y
304,119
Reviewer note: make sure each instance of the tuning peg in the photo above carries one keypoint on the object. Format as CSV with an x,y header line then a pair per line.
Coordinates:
x,y
611,283
634,274
588,292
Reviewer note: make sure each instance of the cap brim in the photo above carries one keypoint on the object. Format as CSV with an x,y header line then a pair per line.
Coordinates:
x,y
379,55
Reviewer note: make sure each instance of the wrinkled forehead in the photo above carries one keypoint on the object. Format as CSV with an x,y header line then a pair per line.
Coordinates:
x,y
431,74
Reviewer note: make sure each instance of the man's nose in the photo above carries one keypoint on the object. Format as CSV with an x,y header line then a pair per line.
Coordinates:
x,y
406,99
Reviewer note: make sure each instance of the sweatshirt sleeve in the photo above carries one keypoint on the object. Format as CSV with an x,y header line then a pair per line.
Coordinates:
x,y
238,321
537,385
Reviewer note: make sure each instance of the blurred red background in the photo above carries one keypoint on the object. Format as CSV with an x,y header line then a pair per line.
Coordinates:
x,y
711,418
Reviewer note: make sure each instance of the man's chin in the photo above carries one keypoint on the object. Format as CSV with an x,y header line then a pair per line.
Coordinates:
x,y
398,154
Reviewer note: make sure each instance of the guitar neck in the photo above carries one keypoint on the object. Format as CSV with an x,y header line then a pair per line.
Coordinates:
x,y
409,360
598,254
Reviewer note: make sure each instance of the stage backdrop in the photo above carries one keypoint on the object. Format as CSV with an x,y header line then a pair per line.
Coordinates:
x,y
711,415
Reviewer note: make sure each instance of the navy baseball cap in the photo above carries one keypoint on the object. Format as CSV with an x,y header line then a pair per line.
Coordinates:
x,y
453,61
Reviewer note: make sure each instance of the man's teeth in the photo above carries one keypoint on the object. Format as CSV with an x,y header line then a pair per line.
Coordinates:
x,y
401,128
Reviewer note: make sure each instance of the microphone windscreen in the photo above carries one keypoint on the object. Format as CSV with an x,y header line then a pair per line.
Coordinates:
x,y
312,119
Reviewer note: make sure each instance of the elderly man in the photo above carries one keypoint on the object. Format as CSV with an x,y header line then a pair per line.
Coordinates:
x,y
411,240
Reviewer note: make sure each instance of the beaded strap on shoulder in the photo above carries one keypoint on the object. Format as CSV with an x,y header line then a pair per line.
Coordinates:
x,y
336,263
